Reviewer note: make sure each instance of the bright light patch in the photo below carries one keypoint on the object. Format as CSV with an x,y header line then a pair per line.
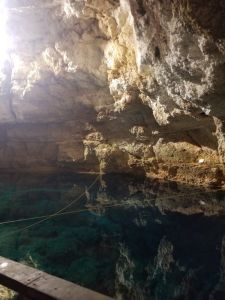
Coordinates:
x,y
3,265
201,161
5,41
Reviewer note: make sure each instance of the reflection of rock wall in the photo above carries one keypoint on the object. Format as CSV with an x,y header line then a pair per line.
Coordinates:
x,y
220,287
123,238
116,86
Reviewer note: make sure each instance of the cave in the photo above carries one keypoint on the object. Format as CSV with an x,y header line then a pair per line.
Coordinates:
x,y
112,145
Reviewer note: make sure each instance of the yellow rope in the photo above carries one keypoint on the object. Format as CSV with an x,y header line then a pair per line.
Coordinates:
x,y
56,213
60,212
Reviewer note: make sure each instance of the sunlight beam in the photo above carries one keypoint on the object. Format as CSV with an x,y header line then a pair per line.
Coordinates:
x,y
5,40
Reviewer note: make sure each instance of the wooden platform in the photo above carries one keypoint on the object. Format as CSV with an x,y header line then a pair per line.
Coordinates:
x,y
35,284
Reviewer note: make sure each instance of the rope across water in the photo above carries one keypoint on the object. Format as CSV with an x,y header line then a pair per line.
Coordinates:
x,y
61,212
47,217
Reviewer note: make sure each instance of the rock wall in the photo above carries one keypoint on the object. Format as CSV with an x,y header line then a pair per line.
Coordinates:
x,y
132,86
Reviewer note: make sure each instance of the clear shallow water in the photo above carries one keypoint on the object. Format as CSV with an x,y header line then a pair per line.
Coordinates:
x,y
130,241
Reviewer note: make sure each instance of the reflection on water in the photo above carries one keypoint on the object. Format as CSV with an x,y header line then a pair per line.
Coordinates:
x,y
126,237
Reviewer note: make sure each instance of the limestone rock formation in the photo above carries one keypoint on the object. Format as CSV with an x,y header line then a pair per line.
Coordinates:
x,y
132,86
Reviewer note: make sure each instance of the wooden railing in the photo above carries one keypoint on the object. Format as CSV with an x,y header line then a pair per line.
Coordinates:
x,y
32,284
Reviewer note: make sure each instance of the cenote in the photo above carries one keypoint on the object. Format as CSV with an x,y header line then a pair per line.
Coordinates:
x,y
119,238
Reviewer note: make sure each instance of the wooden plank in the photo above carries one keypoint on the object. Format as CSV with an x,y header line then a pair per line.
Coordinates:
x,y
36,284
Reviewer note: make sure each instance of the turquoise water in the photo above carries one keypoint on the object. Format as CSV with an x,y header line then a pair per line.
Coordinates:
x,y
126,237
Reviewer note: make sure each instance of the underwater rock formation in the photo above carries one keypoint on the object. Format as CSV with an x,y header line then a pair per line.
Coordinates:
x,y
123,238
133,86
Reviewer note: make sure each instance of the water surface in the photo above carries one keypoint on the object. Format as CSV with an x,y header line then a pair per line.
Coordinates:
x,y
125,237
